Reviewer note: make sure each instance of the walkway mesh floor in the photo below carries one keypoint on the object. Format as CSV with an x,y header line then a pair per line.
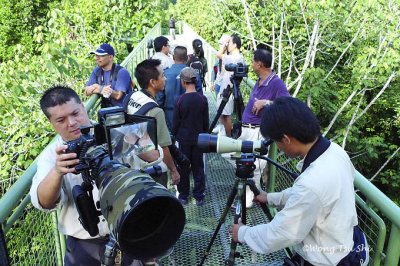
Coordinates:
x,y
201,221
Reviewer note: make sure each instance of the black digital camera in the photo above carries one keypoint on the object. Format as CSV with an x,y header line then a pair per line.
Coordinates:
x,y
239,70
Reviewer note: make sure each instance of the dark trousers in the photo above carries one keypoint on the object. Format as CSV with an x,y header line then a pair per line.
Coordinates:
x,y
296,260
88,252
197,168
163,179
84,251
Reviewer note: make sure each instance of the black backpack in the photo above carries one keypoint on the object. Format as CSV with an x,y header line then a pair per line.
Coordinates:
x,y
196,63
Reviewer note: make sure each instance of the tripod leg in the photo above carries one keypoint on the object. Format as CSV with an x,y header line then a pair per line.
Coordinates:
x,y
228,205
232,253
226,94
256,192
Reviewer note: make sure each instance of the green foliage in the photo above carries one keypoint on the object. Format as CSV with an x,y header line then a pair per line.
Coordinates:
x,y
58,53
357,51
18,19
28,241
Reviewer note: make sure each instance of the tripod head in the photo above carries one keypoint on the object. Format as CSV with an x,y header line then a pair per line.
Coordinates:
x,y
245,165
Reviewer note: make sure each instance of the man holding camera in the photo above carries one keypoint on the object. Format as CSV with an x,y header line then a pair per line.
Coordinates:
x,y
55,177
231,45
318,213
267,88
111,81
150,76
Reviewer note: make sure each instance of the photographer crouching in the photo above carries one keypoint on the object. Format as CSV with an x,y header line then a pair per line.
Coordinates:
x,y
55,178
318,217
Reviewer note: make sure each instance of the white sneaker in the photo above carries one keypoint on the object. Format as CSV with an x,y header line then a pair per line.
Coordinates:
x,y
222,131
216,129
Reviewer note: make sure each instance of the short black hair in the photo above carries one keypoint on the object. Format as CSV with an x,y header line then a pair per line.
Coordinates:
x,y
57,95
262,46
159,42
145,71
180,54
290,116
236,40
263,56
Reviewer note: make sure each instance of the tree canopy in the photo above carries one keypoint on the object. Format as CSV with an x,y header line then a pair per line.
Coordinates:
x,y
341,57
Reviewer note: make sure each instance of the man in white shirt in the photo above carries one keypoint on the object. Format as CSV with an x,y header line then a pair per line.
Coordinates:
x,y
231,46
54,179
318,212
161,48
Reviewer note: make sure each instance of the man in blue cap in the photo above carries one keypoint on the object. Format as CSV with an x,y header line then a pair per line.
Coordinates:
x,y
108,79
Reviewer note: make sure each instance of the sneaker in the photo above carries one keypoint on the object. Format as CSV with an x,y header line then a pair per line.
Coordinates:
x,y
216,130
200,202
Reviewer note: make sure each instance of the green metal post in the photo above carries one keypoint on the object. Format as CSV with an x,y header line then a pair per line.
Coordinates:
x,y
378,198
380,242
393,247
56,238
63,244
11,199
17,213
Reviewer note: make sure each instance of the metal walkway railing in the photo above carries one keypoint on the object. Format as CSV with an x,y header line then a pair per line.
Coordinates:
x,y
33,239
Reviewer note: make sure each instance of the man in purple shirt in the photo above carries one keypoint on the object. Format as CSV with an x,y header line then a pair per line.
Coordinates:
x,y
267,88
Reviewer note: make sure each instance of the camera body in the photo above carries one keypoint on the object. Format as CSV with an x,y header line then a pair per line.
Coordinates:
x,y
239,70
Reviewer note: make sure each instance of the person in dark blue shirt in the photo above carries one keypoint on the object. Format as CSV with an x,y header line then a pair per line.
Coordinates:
x,y
190,119
166,99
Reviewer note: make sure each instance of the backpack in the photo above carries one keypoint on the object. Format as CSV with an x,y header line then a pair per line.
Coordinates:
x,y
196,63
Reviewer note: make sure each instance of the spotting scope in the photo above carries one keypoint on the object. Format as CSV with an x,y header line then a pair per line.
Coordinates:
x,y
220,144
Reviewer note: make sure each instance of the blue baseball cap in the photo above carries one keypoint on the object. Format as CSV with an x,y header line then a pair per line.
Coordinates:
x,y
104,49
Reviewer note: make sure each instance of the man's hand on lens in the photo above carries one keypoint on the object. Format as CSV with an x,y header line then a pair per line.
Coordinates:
x,y
65,162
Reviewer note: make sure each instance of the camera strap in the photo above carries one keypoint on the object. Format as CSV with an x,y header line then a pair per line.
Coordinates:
x,y
145,108
113,73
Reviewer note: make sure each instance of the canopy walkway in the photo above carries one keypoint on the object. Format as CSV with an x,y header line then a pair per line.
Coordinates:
x,y
39,242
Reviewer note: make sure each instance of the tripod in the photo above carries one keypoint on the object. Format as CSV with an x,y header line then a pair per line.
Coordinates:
x,y
244,172
237,100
